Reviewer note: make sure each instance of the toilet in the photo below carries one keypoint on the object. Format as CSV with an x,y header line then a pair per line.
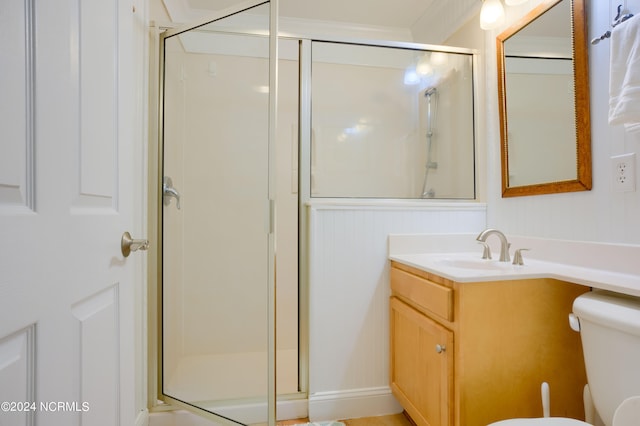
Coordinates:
x,y
609,325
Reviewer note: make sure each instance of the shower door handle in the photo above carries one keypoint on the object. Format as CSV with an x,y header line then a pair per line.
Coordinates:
x,y
169,191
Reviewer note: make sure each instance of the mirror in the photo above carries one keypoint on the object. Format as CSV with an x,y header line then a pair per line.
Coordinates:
x,y
543,89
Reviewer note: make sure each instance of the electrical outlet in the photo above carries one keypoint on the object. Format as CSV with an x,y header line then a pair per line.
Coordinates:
x,y
624,172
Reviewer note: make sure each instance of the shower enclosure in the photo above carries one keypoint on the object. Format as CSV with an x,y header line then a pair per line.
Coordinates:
x,y
354,120
217,216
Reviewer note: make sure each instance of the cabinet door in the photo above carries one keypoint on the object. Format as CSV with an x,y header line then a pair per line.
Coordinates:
x,y
421,365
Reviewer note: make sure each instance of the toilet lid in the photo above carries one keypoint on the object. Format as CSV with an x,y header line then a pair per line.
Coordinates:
x,y
544,421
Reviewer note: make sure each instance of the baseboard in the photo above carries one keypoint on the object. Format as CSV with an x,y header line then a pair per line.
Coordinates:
x,y
352,404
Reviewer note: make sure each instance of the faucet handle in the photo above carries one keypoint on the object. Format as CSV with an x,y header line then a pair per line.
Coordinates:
x,y
486,251
517,256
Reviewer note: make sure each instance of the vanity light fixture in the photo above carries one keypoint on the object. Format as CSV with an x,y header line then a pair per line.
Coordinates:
x,y
491,14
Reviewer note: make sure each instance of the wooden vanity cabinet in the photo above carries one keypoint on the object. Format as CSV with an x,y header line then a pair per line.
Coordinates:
x,y
469,354
421,377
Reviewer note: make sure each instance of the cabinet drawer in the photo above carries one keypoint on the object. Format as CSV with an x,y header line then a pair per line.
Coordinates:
x,y
424,294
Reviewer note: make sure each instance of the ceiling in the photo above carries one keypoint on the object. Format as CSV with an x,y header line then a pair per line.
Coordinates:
x,y
439,17
386,13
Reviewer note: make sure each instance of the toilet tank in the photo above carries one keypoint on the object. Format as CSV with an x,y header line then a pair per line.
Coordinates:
x,y
610,332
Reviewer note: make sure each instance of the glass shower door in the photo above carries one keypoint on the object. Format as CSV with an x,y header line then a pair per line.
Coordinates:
x,y
217,241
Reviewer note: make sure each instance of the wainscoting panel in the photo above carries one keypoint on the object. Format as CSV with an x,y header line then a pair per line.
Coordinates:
x,y
349,297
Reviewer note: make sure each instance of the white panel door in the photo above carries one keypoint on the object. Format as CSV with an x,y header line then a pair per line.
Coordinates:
x,y
66,196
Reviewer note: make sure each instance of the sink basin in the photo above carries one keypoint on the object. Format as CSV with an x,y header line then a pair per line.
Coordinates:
x,y
490,265
467,266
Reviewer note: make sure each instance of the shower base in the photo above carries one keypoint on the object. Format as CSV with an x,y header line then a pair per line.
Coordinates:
x,y
228,377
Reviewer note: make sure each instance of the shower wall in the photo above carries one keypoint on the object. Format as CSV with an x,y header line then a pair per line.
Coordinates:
x,y
369,122
452,150
359,147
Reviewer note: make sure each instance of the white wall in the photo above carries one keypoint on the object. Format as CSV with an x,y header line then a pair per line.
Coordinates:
x,y
597,215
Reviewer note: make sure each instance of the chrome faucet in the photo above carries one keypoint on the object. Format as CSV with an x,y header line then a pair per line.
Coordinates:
x,y
517,256
504,244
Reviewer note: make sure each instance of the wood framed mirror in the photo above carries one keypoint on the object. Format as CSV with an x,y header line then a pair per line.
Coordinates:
x,y
543,91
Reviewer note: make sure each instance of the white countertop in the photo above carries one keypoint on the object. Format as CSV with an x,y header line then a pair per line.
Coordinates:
x,y
458,258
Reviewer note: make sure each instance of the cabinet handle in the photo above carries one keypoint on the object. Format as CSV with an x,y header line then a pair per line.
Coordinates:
x,y
440,348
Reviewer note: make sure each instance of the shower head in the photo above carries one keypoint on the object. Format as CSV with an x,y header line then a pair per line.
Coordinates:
x,y
430,91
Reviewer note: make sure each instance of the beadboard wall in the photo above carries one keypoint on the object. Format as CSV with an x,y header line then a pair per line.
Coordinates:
x,y
601,214
349,298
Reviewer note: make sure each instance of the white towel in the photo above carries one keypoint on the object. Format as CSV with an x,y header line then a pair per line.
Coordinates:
x,y
624,83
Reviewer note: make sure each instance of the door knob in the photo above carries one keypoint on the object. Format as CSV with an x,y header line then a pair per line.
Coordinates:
x,y
440,348
128,244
